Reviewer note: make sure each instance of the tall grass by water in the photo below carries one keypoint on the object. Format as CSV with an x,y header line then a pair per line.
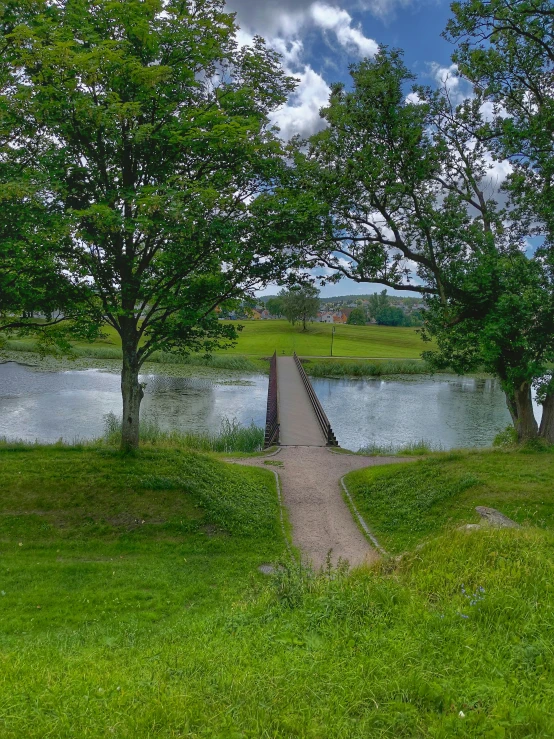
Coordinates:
x,y
232,436
96,351
366,369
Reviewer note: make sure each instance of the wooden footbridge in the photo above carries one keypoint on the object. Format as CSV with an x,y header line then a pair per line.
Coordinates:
x,y
295,417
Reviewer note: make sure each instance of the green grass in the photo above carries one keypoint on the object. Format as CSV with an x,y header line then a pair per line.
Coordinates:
x,y
131,606
262,338
337,368
403,505
232,437
102,350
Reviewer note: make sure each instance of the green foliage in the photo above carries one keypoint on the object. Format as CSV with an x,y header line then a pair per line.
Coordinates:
x,y
357,317
154,137
299,304
275,307
391,316
232,436
507,438
334,368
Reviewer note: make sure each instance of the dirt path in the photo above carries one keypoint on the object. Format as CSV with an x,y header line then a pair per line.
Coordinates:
x,y
321,521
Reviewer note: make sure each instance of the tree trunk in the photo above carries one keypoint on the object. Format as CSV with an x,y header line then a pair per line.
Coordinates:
x,y
520,405
132,394
547,423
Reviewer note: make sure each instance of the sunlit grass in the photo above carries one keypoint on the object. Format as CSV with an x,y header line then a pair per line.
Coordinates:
x,y
131,605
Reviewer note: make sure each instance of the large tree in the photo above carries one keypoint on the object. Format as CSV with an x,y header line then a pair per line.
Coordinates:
x,y
401,190
300,303
156,145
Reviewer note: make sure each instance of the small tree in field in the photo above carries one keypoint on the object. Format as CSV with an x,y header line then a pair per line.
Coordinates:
x,y
156,147
300,303
357,317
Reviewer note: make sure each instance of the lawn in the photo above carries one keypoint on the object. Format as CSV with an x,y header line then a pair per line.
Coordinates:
x,y
131,606
262,338
403,505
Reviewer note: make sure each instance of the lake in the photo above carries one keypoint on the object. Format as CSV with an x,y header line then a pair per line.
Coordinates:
x,y
444,410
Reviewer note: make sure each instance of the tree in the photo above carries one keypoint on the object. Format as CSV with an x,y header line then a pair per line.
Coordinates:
x,y
357,317
397,188
300,303
156,146
391,316
506,50
376,303
275,307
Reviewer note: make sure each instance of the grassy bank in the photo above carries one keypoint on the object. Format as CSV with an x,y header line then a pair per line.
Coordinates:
x,y
231,437
131,605
405,505
365,368
108,353
262,338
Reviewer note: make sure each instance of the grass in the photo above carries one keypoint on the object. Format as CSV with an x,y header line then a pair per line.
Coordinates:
x,y
337,368
131,606
105,351
262,338
404,505
232,437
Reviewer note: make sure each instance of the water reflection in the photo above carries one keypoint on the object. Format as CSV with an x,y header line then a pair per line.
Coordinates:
x,y
448,411
71,405
444,410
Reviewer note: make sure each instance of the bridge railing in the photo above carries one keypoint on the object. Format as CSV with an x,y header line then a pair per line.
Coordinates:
x,y
318,408
272,415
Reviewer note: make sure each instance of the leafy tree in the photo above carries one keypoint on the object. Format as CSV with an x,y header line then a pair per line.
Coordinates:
x,y
275,307
300,303
376,303
391,316
506,49
357,317
156,146
398,189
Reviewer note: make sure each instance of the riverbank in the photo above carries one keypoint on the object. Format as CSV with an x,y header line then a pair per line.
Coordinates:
x,y
109,359
131,604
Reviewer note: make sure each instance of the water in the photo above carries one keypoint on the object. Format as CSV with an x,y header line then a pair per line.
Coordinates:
x,y
445,411
47,406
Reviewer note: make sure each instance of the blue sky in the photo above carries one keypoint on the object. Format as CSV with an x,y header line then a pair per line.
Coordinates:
x,y
319,39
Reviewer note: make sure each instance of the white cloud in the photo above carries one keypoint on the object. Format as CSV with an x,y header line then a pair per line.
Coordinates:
x,y
331,18
301,114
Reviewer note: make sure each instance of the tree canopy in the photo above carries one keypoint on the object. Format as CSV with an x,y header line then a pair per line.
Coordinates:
x,y
300,304
156,146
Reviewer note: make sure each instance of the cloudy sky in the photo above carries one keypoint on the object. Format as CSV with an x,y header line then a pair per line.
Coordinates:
x,y
320,38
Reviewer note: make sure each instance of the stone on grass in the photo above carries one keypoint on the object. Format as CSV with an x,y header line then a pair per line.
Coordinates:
x,y
492,517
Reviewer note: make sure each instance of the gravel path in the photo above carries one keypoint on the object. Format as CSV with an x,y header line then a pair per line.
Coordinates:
x,y
321,521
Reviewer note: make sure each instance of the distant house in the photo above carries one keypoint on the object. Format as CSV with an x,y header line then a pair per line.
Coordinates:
x,y
325,316
333,316
255,315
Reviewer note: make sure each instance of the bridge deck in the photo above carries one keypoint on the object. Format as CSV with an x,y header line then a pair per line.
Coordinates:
x,y
298,422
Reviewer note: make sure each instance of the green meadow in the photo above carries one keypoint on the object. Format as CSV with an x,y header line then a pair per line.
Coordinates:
x,y
262,338
131,603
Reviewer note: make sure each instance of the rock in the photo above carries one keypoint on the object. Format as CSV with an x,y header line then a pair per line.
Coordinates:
x,y
470,527
267,569
494,518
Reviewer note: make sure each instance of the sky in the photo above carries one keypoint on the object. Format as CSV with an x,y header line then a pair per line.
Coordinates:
x,y
319,39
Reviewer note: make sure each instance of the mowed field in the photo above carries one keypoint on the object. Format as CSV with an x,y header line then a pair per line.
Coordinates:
x,y
262,338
